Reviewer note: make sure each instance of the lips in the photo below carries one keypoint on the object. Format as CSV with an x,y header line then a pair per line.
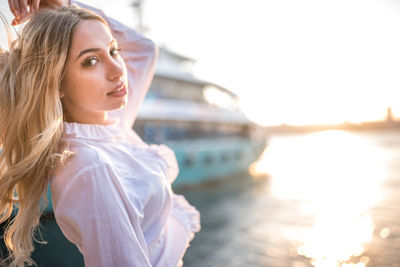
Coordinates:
x,y
117,89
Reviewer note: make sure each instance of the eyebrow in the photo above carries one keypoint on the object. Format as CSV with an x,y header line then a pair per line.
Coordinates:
x,y
93,49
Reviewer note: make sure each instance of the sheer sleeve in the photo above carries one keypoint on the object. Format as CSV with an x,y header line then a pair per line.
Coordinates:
x,y
92,214
168,155
140,55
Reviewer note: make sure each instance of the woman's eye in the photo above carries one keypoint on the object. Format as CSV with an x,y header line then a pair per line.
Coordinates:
x,y
115,51
89,62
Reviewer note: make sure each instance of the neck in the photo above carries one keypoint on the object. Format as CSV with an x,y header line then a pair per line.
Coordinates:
x,y
94,118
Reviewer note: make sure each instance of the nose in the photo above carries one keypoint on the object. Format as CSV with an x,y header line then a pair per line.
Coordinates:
x,y
116,70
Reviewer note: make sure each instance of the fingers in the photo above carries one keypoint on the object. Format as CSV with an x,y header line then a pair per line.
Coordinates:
x,y
23,6
22,9
12,8
35,5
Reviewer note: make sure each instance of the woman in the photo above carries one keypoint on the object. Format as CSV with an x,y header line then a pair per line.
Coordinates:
x,y
68,100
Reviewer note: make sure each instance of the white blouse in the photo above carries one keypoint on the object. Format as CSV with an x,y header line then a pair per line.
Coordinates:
x,y
113,198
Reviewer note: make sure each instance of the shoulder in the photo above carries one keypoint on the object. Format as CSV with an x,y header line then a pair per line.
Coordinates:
x,y
84,156
87,171
86,159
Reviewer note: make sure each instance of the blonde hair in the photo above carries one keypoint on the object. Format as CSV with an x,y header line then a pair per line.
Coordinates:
x,y
31,122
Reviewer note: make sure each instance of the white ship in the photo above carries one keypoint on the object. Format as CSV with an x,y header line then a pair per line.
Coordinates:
x,y
200,121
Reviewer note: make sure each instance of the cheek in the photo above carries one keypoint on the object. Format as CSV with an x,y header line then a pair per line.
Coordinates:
x,y
84,87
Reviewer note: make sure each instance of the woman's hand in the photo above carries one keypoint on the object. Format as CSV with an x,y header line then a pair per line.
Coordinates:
x,y
23,9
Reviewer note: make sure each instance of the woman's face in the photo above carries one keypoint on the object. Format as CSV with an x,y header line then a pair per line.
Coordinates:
x,y
93,70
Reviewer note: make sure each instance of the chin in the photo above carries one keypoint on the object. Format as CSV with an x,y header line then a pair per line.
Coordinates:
x,y
122,105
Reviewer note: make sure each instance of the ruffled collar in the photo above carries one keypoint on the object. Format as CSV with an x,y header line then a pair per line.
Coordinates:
x,y
92,131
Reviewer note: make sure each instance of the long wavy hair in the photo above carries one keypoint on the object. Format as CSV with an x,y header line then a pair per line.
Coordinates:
x,y
31,122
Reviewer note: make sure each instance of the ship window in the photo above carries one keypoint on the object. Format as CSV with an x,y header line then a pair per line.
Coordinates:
x,y
208,159
189,160
224,156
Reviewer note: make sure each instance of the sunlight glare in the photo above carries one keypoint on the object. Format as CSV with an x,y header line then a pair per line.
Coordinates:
x,y
385,232
335,175
218,98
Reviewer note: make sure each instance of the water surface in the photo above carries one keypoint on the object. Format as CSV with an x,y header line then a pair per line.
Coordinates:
x,y
328,199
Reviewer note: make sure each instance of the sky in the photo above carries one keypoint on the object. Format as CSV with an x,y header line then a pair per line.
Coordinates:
x,y
290,61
